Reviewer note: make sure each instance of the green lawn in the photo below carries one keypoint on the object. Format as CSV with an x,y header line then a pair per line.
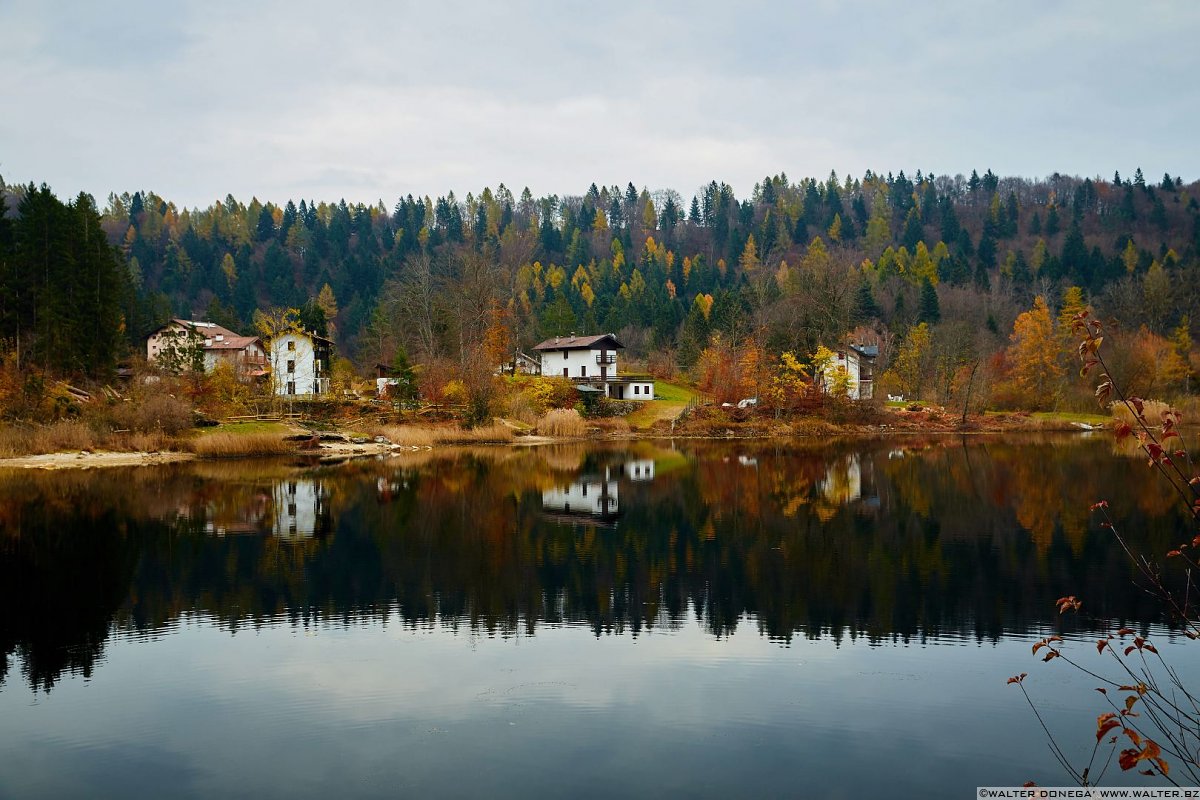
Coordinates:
x,y
672,391
669,400
247,427
1073,416
1065,416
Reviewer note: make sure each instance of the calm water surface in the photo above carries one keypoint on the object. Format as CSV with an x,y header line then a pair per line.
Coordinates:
x,y
651,619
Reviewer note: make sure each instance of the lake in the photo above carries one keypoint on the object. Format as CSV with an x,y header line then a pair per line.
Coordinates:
x,y
643,619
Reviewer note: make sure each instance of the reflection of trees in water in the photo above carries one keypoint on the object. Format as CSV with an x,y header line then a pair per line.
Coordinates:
x,y
937,538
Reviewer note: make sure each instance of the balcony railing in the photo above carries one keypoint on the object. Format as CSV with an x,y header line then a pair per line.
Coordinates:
x,y
609,358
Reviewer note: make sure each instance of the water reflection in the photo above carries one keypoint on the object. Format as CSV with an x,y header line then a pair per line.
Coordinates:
x,y
926,538
302,509
594,496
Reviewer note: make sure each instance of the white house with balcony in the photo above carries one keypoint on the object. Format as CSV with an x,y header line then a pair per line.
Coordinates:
x,y
858,363
590,362
300,362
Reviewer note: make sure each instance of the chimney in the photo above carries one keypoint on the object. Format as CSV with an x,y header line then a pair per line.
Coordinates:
x,y
572,336
220,337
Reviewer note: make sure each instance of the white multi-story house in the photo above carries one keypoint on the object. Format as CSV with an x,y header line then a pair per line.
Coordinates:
x,y
300,363
182,344
858,360
591,362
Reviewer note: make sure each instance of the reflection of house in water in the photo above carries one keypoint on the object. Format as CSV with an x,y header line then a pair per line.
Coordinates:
x,y
640,470
388,489
301,510
592,497
239,510
843,483
589,496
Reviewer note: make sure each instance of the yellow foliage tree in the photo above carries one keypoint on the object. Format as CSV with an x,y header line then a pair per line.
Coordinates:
x,y
835,228
1036,371
789,383
912,361
749,260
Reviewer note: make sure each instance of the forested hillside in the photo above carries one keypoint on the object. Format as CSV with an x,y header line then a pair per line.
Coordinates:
x,y
794,265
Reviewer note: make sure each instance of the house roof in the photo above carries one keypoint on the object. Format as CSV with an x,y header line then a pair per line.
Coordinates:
x,y
866,350
595,342
206,329
230,343
306,335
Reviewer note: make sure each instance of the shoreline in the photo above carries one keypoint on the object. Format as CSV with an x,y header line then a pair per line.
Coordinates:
x,y
342,451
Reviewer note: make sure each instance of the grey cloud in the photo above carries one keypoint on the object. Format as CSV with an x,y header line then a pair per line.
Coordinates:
x,y
372,100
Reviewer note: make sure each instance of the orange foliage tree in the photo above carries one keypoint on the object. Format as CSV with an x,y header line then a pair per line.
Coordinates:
x,y
730,372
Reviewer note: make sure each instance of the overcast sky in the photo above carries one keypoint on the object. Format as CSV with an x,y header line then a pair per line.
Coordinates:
x,y
368,101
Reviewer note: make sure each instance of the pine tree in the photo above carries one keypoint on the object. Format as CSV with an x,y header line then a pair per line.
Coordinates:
x,y
913,229
930,311
865,307
1052,224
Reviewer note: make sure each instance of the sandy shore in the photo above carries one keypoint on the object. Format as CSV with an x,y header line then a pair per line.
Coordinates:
x,y
89,460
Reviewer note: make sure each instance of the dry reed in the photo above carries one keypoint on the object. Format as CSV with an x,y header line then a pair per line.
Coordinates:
x,y
562,422
429,435
59,437
229,445
1152,410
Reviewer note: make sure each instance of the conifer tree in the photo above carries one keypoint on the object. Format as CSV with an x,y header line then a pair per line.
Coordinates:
x,y
930,311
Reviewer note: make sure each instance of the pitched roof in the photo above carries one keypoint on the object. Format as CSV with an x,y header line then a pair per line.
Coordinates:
x,y
305,334
206,329
581,342
230,343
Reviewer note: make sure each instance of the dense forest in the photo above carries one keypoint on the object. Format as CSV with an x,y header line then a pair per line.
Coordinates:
x,y
946,273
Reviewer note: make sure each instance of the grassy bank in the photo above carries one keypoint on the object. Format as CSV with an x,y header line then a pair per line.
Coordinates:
x,y
670,399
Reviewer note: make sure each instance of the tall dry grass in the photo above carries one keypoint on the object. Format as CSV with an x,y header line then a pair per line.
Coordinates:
x,y
562,422
1152,410
59,437
230,445
429,435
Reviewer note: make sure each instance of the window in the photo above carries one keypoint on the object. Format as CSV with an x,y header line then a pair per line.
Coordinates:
x,y
291,387
583,370
565,375
291,366
291,345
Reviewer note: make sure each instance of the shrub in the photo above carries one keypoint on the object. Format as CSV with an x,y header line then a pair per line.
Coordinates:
x,y
156,414
545,393
520,408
